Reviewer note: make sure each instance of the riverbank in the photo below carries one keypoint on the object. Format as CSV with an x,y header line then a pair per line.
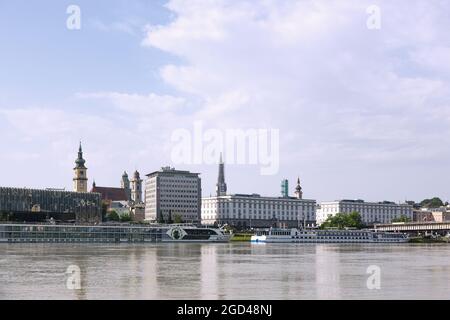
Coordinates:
x,y
241,237
429,240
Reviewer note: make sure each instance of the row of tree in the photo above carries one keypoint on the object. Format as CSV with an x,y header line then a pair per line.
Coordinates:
x,y
343,220
352,220
6,216
112,215
433,203
177,218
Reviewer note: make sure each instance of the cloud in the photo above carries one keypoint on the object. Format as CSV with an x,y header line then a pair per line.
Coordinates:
x,y
336,89
362,113
138,104
131,27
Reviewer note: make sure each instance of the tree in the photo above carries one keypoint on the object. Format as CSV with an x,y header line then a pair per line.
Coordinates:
x,y
432,203
343,220
169,220
3,216
402,218
113,216
6,216
104,210
178,218
160,217
125,218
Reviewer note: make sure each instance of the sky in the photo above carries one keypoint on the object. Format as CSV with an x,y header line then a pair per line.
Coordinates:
x,y
359,97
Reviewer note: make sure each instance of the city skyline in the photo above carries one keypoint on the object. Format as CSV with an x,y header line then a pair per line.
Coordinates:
x,y
362,113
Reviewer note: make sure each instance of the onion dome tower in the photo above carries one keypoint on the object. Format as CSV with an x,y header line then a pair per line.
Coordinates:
x,y
136,188
80,179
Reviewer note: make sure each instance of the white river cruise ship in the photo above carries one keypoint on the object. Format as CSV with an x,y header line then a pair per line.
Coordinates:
x,y
121,233
275,235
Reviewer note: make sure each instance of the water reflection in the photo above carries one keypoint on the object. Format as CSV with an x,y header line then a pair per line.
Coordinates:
x,y
208,272
327,270
224,271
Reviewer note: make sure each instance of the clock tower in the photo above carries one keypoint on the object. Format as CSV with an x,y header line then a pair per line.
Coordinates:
x,y
80,180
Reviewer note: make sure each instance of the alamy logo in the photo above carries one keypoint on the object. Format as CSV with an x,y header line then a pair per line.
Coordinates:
x,y
249,146
74,279
73,22
374,20
374,280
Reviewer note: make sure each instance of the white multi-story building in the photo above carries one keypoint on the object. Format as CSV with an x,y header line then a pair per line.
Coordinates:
x,y
255,211
371,212
243,210
171,192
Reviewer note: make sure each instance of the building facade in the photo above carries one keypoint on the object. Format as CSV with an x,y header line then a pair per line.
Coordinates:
x,y
255,211
441,214
80,180
65,205
110,194
136,188
126,200
125,185
371,212
171,192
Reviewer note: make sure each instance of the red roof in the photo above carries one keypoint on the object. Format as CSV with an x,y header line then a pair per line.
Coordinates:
x,y
111,194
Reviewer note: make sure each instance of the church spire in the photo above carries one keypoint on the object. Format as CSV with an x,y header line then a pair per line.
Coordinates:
x,y
298,190
79,162
80,179
221,186
125,184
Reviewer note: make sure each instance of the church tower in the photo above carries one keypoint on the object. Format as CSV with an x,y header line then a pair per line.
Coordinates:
x,y
136,188
298,190
221,186
125,184
80,180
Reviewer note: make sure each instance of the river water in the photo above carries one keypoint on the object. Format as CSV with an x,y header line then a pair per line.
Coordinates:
x,y
225,271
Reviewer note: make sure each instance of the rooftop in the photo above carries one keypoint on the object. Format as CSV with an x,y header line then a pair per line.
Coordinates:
x,y
172,171
112,194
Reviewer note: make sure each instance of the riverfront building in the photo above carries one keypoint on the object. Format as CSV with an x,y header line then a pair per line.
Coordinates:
x,y
80,180
253,210
170,192
371,212
38,205
126,200
441,214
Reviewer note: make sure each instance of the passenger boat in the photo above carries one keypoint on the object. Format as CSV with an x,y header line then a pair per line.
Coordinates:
x,y
275,235
47,233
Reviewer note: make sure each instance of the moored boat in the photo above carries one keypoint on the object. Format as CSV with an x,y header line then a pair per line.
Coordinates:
x,y
276,235
47,233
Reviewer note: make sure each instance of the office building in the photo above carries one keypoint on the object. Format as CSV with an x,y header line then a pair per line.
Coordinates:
x,y
170,193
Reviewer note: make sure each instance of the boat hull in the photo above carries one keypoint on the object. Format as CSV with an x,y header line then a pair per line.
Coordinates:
x,y
319,236
36,233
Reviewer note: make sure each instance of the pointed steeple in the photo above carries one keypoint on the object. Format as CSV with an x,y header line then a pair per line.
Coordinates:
x,y
221,186
80,179
298,190
79,162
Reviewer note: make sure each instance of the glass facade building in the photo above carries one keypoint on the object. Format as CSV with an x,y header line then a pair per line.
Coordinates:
x,y
82,206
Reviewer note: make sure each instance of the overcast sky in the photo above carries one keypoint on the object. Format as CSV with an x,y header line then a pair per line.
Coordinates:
x,y
361,112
